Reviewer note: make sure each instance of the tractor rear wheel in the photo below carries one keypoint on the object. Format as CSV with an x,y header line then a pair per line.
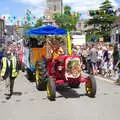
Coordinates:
x,y
41,74
40,83
51,89
90,86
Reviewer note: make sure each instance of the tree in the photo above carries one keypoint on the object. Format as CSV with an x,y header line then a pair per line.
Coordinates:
x,y
39,22
102,20
67,20
27,26
67,10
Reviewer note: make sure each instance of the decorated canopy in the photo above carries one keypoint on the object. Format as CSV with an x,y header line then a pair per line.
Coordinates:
x,y
46,30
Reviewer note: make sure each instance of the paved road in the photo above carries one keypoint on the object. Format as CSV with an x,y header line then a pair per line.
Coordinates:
x,y
71,104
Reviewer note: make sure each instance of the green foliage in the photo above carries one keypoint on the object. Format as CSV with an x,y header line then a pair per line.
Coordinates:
x,y
106,5
93,35
103,19
67,20
67,10
39,23
27,26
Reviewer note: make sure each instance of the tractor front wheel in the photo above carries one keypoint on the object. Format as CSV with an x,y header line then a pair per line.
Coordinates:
x,y
90,86
51,89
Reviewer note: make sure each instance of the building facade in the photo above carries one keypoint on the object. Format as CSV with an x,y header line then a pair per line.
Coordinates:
x,y
115,32
54,6
1,28
2,40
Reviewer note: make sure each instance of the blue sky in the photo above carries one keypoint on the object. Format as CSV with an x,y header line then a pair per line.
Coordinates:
x,y
18,7
12,8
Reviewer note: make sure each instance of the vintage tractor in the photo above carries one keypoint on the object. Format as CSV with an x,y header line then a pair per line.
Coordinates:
x,y
57,69
65,69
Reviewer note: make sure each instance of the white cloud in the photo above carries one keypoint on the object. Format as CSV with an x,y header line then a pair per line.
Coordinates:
x,y
32,2
38,6
84,5
38,11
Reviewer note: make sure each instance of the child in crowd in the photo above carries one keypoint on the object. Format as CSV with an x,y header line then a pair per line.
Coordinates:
x,y
104,67
110,68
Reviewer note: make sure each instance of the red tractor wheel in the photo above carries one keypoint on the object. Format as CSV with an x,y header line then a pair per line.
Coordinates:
x,y
51,89
90,86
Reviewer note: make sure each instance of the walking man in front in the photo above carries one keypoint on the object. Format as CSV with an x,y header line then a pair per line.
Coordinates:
x,y
13,71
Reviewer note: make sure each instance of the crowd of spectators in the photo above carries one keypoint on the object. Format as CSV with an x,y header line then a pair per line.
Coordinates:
x,y
97,58
100,58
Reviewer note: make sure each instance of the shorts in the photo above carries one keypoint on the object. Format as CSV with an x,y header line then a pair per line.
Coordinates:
x,y
94,64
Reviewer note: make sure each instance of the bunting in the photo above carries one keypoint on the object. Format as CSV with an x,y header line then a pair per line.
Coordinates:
x,y
31,18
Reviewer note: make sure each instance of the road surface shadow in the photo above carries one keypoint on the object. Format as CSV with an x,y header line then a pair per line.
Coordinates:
x,y
105,93
29,79
17,93
8,96
18,101
3,101
14,93
69,93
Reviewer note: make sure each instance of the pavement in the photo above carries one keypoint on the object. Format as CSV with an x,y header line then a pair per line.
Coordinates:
x,y
27,103
1,83
107,79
